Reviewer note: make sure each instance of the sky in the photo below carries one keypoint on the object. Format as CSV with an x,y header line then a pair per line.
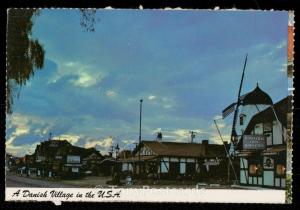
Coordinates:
x,y
186,65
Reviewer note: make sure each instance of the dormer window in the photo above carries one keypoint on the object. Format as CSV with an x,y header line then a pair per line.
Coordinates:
x,y
242,116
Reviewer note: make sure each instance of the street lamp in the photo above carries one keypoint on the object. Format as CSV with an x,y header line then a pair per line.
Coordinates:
x,y
117,150
116,171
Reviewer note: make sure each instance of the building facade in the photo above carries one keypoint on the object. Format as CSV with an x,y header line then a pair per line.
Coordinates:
x,y
59,158
173,160
262,148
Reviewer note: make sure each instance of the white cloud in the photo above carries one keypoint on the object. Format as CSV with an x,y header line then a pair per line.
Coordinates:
x,y
104,144
72,138
281,45
128,141
111,93
167,106
85,80
151,97
218,117
85,73
20,123
216,139
283,68
21,150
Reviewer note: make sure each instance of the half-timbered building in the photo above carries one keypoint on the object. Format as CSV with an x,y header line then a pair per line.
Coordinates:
x,y
173,160
262,149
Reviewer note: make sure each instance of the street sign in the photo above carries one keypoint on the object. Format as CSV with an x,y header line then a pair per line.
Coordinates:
x,y
254,142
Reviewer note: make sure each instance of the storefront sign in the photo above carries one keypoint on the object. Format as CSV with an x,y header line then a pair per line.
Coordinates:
x,y
254,142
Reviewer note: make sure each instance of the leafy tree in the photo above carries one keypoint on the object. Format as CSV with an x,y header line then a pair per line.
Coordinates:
x,y
25,54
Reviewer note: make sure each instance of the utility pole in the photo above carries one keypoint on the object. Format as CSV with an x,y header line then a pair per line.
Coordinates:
x,y
193,135
140,137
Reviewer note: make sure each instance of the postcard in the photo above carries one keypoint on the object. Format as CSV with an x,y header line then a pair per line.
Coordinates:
x,y
149,105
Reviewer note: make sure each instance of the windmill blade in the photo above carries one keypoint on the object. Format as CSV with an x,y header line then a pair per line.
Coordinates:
x,y
233,131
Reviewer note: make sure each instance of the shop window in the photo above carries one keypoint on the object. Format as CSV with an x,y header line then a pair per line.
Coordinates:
x,y
280,170
255,170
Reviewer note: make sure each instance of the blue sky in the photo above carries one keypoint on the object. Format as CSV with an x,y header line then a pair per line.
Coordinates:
x,y
186,65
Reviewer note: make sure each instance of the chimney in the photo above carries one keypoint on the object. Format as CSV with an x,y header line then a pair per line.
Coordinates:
x,y
159,137
205,142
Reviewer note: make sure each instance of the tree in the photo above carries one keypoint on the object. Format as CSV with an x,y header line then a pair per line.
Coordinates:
x,y
25,54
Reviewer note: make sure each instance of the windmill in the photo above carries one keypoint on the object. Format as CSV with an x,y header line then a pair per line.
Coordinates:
x,y
234,107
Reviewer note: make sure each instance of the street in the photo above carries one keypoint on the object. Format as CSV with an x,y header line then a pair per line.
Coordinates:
x,y
13,180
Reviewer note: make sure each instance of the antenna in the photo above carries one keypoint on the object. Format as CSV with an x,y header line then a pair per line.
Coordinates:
x,y
50,136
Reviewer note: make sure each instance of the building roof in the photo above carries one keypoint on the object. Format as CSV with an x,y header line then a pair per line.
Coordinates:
x,y
63,147
281,109
257,96
163,148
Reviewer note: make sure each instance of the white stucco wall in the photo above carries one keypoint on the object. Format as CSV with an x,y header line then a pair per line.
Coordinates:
x,y
249,111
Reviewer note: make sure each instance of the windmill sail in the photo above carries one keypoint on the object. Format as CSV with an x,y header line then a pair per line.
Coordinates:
x,y
228,110
233,131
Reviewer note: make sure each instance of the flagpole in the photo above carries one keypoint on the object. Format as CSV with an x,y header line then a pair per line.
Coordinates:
x,y
226,151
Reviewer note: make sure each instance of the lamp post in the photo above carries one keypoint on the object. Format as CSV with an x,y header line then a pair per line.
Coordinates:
x,y
116,177
140,137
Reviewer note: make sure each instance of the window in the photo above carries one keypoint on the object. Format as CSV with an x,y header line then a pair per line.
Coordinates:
x,y
268,132
258,129
255,170
268,163
280,170
242,116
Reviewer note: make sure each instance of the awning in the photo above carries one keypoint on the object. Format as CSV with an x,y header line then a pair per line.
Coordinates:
x,y
274,150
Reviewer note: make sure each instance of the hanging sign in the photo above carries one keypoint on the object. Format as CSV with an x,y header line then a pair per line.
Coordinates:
x,y
254,142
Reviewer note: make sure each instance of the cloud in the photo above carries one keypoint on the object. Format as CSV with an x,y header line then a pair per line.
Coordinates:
x,y
151,97
21,150
102,144
282,44
24,127
111,93
167,106
128,141
20,124
218,117
85,80
84,75
72,138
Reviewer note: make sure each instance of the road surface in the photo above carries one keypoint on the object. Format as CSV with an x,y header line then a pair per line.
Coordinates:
x,y
13,180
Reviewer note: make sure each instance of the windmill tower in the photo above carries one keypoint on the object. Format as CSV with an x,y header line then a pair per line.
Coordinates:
x,y
245,108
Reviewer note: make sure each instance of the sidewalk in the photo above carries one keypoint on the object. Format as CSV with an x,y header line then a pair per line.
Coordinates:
x,y
248,187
